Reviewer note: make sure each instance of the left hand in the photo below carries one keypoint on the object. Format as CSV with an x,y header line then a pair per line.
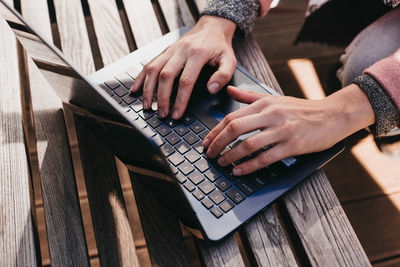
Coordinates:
x,y
291,125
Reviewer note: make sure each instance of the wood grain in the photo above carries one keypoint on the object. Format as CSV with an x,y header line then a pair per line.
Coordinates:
x,y
201,4
224,253
143,21
73,34
36,13
176,13
17,243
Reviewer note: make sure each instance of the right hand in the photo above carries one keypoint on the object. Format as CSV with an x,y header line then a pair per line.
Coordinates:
x,y
209,42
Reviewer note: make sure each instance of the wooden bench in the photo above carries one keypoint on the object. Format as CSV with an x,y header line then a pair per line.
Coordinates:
x,y
66,200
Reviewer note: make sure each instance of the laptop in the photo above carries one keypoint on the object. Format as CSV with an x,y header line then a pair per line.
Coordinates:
x,y
207,198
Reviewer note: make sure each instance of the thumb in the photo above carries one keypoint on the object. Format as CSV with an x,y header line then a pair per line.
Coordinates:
x,y
244,96
223,75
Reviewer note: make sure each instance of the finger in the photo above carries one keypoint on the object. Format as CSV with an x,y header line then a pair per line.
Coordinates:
x,y
223,75
166,82
188,79
249,146
138,82
272,155
234,129
244,96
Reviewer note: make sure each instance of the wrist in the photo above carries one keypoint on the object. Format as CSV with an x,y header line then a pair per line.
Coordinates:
x,y
213,23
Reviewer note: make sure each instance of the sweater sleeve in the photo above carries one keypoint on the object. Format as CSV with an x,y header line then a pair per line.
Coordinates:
x,y
241,12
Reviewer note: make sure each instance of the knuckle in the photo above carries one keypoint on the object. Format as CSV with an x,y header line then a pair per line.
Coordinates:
x,y
225,76
265,159
151,68
166,74
234,126
229,118
197,50
185,81
250,144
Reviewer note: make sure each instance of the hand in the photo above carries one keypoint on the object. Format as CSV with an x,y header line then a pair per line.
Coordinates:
x,y
291,125
209,42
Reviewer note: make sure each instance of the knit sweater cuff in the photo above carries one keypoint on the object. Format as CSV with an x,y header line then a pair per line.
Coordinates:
x,y
241,12
387,115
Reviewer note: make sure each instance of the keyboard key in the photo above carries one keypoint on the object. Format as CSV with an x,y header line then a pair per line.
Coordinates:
x,y
216,212
197,127
202,165
246,186
206,187
176,159
133,72
204,134
189,186
229,174
173,139
212,174
124,79
121,91
129,99
182,147
199,147
186,168
137,105
207,203
190,138
223,184
196,177
181,130
163,130
167,150
117,99
149,132
226,206
257,181
192,156
188,119
105,88
112,84
146,114
174,170
198,195
235,195
158,140
154,122
140,123
181,178
217,197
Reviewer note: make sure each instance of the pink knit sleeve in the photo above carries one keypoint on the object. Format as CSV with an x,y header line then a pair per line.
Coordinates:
x,y
387,73
264,7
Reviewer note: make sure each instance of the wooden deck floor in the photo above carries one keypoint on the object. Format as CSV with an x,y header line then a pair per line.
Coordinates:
x,y
366,181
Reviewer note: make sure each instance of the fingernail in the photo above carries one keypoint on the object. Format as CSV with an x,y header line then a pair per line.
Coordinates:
x,y
206,142
209,153
237,171
161,113
145,104
175,114
221,161
213,88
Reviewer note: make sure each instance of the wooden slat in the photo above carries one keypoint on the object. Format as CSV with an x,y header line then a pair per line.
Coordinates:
x,y
110,35
143,21
73,34
36,12
224,253
322,225
17,245
176,13
201,4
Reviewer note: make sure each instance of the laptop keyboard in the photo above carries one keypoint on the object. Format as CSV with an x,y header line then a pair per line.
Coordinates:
x,y
215,187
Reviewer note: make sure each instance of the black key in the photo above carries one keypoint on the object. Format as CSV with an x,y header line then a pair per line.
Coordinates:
x,y
146,114
216,212
149,132
167,150
197,127
190,138
176,159
132,115
226,206
188,119
217,197
258,182
246,186
121,91
196,177
154,122
105,88
197,194
116,98
173,139
112,84
158,140
229,174
223,184
207,203
186,168
140,123
171,123
202,165
235,195
204,134
181,178
133,72
199,147
129,99
137,105
212,174
189,186
182,147
192,156
163,130
181,130
206,187
124,79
